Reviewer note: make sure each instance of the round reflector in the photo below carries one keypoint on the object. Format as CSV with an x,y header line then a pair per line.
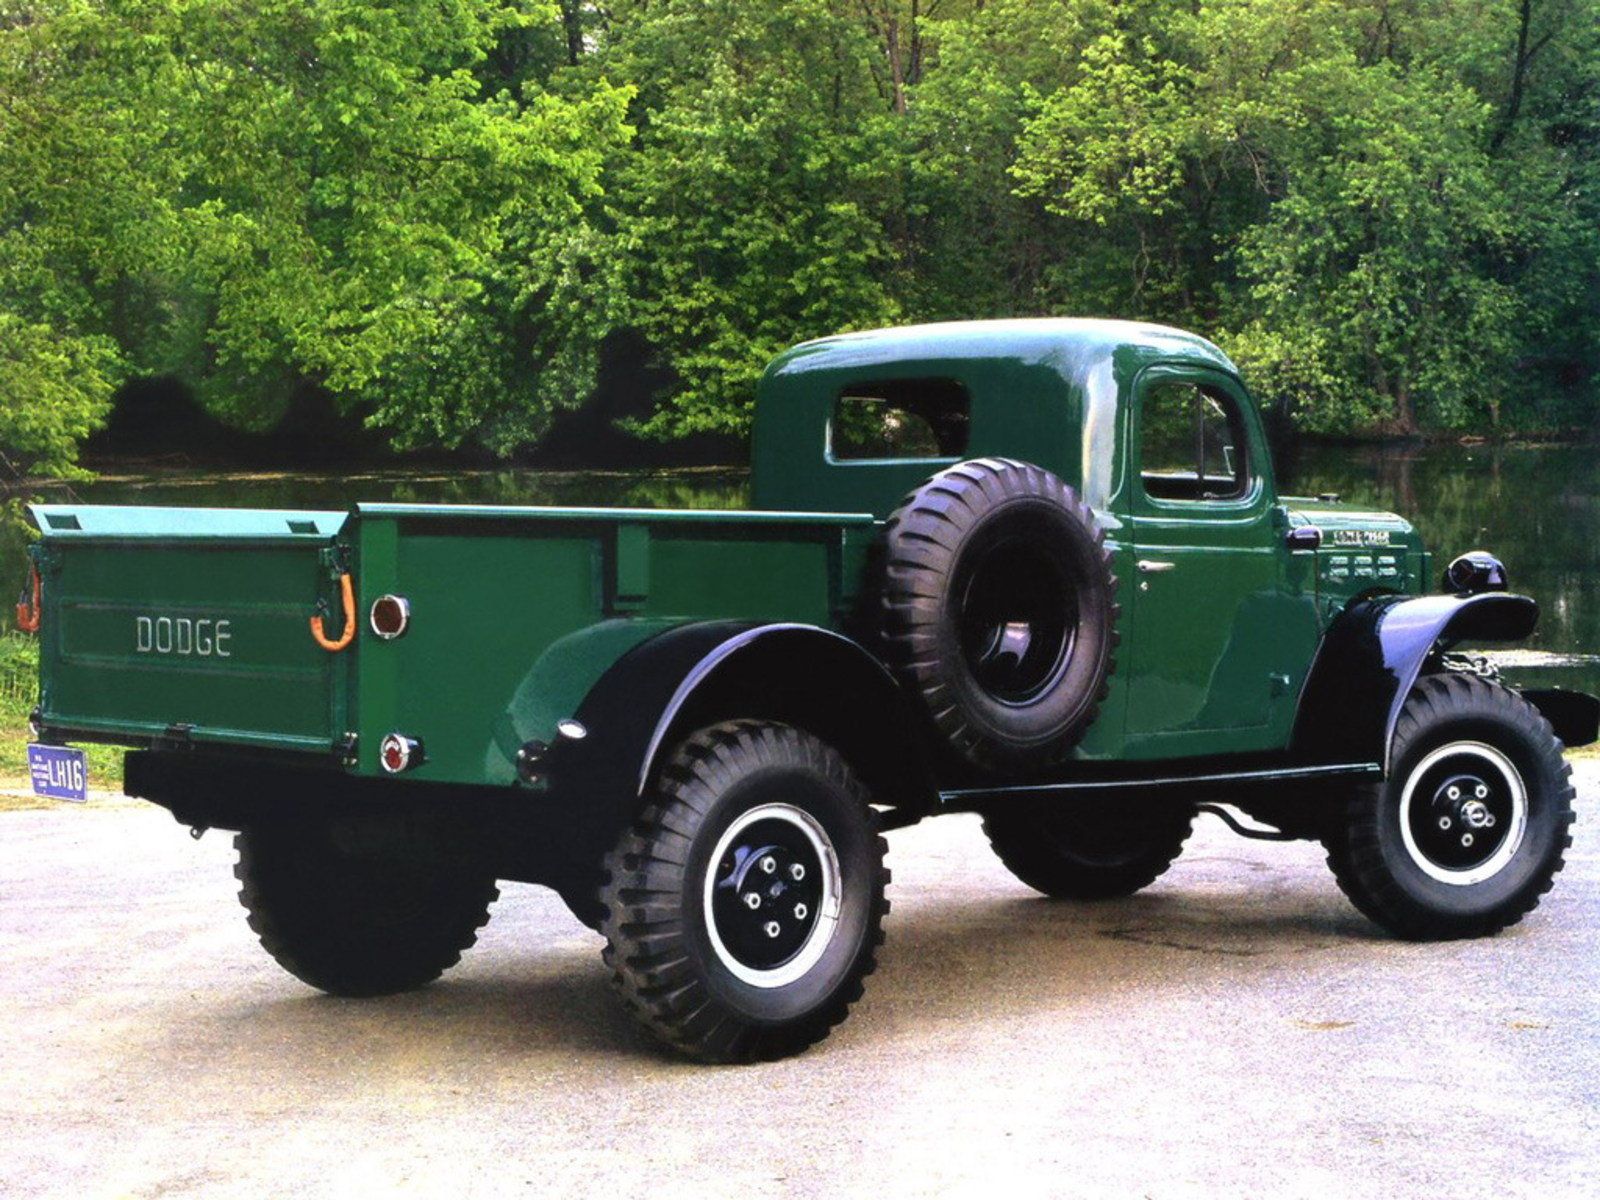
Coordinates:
x,y
389,616
398,752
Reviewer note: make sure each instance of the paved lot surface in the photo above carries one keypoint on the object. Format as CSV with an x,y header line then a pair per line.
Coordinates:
x,y
1236,1031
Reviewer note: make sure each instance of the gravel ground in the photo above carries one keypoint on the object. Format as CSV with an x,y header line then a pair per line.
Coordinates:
x,y
1235,1031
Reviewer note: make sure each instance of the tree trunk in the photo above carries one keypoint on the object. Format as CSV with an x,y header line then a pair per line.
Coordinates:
x,y
1404,413
572,26
897,75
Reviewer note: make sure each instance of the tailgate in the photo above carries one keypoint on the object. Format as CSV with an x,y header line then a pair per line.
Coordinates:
x,y
189,624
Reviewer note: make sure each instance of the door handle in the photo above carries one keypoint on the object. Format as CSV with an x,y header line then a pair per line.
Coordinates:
x,y
1154,566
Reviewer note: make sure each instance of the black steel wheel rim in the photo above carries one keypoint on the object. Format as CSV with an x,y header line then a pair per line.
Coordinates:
x,y
1463,812
772,895
1016,618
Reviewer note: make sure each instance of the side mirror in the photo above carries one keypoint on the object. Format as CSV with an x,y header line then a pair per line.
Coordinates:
x,y
1303,537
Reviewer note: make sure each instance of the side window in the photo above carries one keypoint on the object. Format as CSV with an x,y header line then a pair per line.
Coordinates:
x,y
1192,444
900,418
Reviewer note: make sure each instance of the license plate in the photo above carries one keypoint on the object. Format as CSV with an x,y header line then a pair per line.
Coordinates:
x,y
58,772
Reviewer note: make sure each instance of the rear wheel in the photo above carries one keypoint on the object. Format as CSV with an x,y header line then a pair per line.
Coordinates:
x,y
1471,826
355,924
745,905
1076,852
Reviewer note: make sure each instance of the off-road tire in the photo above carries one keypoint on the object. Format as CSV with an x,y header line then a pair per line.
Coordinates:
x,y
353,925
669,963
1078,852
998,610
1406,888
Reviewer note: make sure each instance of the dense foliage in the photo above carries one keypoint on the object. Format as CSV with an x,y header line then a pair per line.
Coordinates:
x,y
1387,210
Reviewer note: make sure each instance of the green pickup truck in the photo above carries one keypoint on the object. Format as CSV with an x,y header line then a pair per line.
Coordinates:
x,y
1035,569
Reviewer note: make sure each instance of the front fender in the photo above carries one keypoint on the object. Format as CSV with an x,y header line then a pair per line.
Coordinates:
x,y
1370,658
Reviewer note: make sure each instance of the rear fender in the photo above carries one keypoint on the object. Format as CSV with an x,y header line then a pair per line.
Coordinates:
x,y
696,675
1371,656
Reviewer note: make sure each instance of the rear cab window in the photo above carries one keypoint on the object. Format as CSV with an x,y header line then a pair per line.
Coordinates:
x,y
900,420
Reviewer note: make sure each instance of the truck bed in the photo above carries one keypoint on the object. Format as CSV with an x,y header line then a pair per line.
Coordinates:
x,y
167,625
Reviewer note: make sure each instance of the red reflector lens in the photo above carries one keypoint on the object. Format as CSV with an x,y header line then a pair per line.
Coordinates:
x,y
389,616
397,752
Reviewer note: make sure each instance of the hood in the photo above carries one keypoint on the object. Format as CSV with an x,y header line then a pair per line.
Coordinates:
x,y
1349,525
1362,550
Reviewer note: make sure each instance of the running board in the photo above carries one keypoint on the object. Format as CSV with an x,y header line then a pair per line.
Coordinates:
x,y
960,799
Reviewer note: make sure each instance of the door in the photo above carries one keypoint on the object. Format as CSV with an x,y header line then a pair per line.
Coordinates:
x,y
1212,634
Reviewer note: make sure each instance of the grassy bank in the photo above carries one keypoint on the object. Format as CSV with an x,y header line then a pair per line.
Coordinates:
x,y
19,686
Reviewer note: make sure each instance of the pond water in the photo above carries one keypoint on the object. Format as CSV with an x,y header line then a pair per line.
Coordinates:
x,y
1537,507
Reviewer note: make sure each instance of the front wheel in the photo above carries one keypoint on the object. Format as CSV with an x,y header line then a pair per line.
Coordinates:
x,y
745,905
1471,826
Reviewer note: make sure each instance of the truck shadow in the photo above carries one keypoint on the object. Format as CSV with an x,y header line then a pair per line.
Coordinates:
x,y
541,994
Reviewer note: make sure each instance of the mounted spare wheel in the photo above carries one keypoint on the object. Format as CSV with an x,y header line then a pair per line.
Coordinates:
x,y
999,610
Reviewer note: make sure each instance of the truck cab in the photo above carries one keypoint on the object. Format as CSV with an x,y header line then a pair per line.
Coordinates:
x,y
1222,611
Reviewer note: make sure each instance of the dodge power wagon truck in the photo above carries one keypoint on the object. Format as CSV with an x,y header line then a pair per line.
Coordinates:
x,y
1037,570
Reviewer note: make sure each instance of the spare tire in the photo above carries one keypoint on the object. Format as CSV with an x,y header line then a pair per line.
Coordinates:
x,y
999,610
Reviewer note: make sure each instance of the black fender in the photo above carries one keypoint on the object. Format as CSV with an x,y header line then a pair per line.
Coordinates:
x,y
816,680
1370,657
698,674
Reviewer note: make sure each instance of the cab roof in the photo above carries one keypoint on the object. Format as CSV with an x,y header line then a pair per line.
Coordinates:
x,y
1048,390
1072,345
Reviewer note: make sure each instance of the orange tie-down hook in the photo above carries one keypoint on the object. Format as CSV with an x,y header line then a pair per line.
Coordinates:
x,y
28,608
348,596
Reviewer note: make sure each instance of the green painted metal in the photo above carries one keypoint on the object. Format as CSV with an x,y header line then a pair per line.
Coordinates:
x,y
516,612
188,623
555,686
1362,551
1214,651
101,522
1046,391
1221,631
528,514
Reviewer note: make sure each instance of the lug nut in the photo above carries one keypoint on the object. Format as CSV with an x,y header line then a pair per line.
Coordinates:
x,y
1488,821
771,928
1466,839
800,911
1482,791
752,900
797,871
1444,822
1454,792
769,864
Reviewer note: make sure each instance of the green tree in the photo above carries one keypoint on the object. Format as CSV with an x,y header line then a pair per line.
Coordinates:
x,y
1389,212
752,210
1374,287
1353,192
253,196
